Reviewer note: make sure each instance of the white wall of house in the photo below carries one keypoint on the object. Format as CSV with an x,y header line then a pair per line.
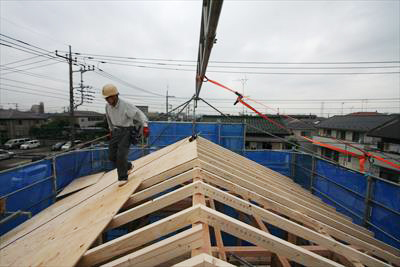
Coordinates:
x,y
85,122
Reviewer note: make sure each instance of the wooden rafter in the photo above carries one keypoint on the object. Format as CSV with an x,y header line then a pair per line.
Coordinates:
x,y
203,173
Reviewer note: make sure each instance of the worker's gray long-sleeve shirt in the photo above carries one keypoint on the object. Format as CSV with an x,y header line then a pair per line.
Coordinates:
x,y
125,114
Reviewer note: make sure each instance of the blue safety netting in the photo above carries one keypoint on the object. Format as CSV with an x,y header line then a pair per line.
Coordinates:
x,y
33,187
28,189
228,135
302,167
276,160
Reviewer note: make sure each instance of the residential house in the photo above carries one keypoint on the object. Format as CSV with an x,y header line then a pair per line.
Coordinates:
x,y
349,133
260,133
16,124
85,119
303,126
388,135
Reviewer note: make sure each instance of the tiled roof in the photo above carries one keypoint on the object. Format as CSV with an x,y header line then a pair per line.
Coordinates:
x,y
361,123
78,113
12,114
390,129
303,124
255,121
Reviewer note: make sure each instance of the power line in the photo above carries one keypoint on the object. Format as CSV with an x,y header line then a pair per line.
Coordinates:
x,y
36,67
35,94
37,75
114,61
112,77
242,62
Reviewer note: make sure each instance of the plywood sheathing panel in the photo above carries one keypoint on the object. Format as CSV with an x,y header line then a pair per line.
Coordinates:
x,y
81,183
42,242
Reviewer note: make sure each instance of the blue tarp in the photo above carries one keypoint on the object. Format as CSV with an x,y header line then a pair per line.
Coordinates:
x,y
31,187
228,135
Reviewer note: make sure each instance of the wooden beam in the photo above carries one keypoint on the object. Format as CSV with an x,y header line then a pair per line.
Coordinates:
x,y
203,260
160,187
290,226
198,198
142,236
158,178
277,260
263,239
272,181
152,205
256,251
218,237
163,250
222,170
304,214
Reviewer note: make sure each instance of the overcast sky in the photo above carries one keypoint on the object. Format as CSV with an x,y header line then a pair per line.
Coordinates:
x,y
163,38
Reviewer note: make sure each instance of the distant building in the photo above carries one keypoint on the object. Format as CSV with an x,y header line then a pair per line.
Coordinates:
x,y
351,133
38,108
15,123
85,119
260,133
303,126
389,145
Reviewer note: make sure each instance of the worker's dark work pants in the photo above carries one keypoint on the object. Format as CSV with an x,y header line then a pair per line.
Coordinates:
x,y
119,150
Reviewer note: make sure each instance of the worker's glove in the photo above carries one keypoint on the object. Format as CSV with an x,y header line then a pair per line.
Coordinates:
x,y
146,131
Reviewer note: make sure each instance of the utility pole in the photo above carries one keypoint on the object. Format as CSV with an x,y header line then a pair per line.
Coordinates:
x,y
71,99
85,95
166,103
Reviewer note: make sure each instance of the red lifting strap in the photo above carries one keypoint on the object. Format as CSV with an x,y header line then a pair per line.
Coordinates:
x,y
362,157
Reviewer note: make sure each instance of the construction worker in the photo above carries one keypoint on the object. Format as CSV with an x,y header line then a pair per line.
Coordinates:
x,y
126,123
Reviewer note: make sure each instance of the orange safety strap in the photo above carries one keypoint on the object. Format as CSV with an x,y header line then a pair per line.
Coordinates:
x,y
362,158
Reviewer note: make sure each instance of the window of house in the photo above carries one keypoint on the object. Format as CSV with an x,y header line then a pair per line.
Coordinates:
x,y
341,135
305,133
19,122
328,132
356,137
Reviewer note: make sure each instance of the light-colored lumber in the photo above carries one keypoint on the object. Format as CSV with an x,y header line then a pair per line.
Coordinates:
x,y
218,237
224,170
139,237
81,183
265,240
271,179
290,226
278,260
160,187
301,214
80,224
199,199
152,205
163,250
203,260
276,196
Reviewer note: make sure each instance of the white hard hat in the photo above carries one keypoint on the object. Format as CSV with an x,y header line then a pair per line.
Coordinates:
x,y
109,90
